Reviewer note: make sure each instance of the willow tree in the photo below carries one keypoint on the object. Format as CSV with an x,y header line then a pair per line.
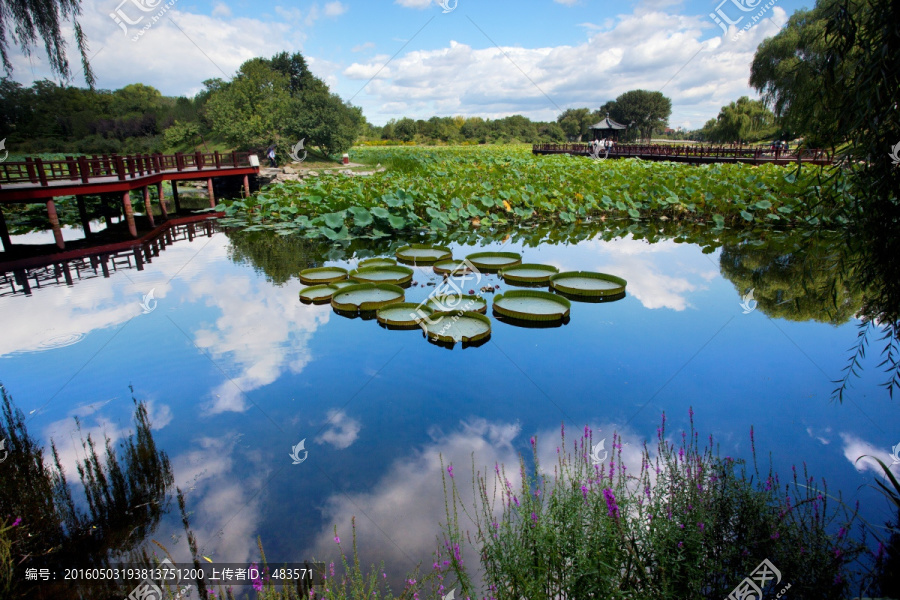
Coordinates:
x,y
25,23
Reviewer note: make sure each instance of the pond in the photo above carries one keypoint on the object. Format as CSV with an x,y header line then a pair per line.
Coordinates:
x,y
236,372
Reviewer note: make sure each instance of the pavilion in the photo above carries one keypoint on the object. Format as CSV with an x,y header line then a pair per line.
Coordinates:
x,y
606,129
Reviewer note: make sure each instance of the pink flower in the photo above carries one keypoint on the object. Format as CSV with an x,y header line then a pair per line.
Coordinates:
x,y
450,470
337,540
17,522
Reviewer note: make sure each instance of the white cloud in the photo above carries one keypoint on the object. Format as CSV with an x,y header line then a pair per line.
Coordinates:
x,y
361,47
855,449
342,430
418,4
221,10
334,9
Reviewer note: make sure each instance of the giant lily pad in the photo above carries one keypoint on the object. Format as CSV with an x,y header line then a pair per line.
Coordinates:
x,y
494,261
451,302
322,275
317,294
423,254
452,266
389,274
528,274
531,305
364,297
588,283
456,326
403,315
377,262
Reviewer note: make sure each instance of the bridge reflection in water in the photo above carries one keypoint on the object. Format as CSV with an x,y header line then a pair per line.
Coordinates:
x,y
23,276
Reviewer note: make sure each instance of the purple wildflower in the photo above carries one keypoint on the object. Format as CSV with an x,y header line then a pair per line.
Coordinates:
x,y
611,506
450,470
337,540
17,522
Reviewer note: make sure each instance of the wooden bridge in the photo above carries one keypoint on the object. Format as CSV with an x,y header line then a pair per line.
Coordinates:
x,y
40,181
695,154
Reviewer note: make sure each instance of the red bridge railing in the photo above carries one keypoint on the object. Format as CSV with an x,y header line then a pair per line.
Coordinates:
x,y
83,169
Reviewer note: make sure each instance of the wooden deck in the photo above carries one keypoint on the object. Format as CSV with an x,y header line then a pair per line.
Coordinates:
x,y
34,180
695,154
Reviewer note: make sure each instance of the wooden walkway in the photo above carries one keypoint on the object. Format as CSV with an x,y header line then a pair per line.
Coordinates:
x,y
34,180
695,154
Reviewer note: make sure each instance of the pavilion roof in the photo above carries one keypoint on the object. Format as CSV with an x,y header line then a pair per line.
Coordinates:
x,y
608,123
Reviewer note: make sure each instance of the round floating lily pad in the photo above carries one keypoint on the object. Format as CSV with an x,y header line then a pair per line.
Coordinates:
x,y
322,275
531,305
457,326
364,297
452,266
528,273
389,274
423,253
494,261
450,302
317,294
405,315
588,283
377,262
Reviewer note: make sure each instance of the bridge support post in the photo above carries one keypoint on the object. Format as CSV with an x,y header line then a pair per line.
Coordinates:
x,y
175,196
147,205
4,233
162,200
247,186
212,196
82,214
54,223
129,213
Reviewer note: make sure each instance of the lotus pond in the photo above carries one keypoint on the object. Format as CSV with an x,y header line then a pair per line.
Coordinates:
x,y
235,371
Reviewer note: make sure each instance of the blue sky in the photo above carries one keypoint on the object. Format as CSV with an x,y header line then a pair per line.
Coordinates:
x,y
411,58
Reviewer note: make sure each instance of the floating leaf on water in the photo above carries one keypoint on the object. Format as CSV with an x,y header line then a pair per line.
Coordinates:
x,y
423,253
335,220
394,274
366,297
494,261
452,302
528,273
587,283
377,262
318,294
322,275
531,305
403,314
456,326
455,266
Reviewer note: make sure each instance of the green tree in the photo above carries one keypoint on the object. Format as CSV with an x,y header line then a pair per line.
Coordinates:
x,y
24,22
642,111
576,122
744,119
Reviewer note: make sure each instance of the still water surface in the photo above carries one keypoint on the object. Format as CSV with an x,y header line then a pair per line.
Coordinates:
x,y
236,371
